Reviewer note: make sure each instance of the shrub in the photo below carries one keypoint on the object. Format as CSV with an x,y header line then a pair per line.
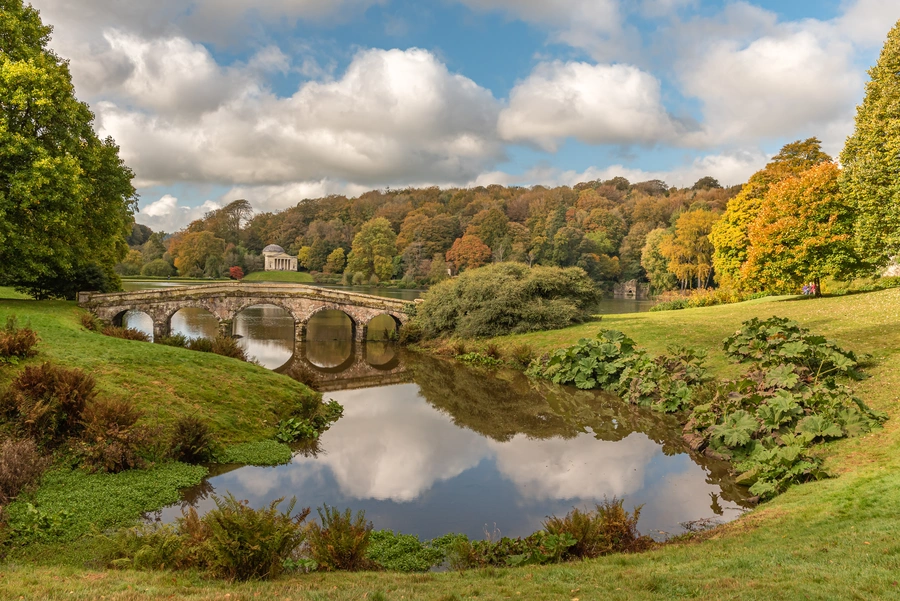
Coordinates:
x,y
179,340
90,323
46,401
236,273
110,440
125,333
202,345
233,541
158,268
250,544
607,529
228,347
341,540
410,333
522,354
192,440
21,465
492,350
16,343
506,298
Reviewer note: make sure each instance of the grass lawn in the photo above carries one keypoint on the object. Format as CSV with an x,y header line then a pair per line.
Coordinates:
x,y
833,539
237,398
296,277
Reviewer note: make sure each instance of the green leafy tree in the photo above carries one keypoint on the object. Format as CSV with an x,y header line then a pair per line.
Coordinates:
x,y
871,159
66,199
729,236
655,263
802,233
373,249
336,261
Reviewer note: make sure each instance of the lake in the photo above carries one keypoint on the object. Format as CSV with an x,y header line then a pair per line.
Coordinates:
x,y
428,446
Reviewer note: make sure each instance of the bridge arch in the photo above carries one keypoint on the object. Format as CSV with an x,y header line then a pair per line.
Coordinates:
x,y
355,325
384,326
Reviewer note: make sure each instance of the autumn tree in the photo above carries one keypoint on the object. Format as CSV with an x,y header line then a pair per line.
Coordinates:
x,y
730,234
373,250
66,198
871,160
236,273
802,233
688,250
193,251
468,252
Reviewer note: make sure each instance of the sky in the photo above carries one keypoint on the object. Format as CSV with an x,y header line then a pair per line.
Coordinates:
x,y
278,101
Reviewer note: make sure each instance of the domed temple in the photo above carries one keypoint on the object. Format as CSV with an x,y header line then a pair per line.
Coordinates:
x,y
278,260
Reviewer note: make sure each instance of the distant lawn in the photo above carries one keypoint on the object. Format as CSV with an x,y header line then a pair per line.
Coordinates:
x,y
295,277
8,292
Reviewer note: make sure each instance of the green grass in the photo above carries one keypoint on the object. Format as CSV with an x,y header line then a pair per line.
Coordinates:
x,y
832,539
7,292
263,452
296,277
239,399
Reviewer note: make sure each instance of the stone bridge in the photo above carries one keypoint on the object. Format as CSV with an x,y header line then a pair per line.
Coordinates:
x,y
225,300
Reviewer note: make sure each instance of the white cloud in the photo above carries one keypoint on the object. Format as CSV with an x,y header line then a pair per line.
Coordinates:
x,y
596,26
777,85
867,22
167,215
282,196
582,468
224,22
730,168
597,104
394,115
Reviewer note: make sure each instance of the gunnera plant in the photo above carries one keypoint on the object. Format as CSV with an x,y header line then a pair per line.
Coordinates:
x,y
45,402
341,540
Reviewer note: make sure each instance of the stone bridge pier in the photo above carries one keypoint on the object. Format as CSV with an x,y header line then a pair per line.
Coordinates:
x,y
225,300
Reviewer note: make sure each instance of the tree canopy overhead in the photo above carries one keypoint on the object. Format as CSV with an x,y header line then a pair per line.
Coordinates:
x,y
870,181
66,199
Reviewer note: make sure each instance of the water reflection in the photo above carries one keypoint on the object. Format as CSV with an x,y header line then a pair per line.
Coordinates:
x,y
194,322
266,333
460,450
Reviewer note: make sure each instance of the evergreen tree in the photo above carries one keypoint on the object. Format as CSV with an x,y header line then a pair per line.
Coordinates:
x,y
871,160
66,199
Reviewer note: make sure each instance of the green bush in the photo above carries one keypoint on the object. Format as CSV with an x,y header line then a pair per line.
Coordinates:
x,y
158,268
46,402
178,340
506,298
192,440
341,541
233,541
125,333
607,529
220,345
16,343
252,544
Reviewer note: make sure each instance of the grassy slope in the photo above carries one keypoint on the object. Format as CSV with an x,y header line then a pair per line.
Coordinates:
x,y
166,382
835,539
297,277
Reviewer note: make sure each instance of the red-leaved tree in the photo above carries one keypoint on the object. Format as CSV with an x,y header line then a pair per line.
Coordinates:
x,y
236,273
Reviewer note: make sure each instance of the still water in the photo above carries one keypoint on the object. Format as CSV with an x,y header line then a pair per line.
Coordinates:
x,y
428,446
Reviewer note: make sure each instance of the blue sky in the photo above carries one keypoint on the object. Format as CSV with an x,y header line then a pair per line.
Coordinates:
x,y
212,100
